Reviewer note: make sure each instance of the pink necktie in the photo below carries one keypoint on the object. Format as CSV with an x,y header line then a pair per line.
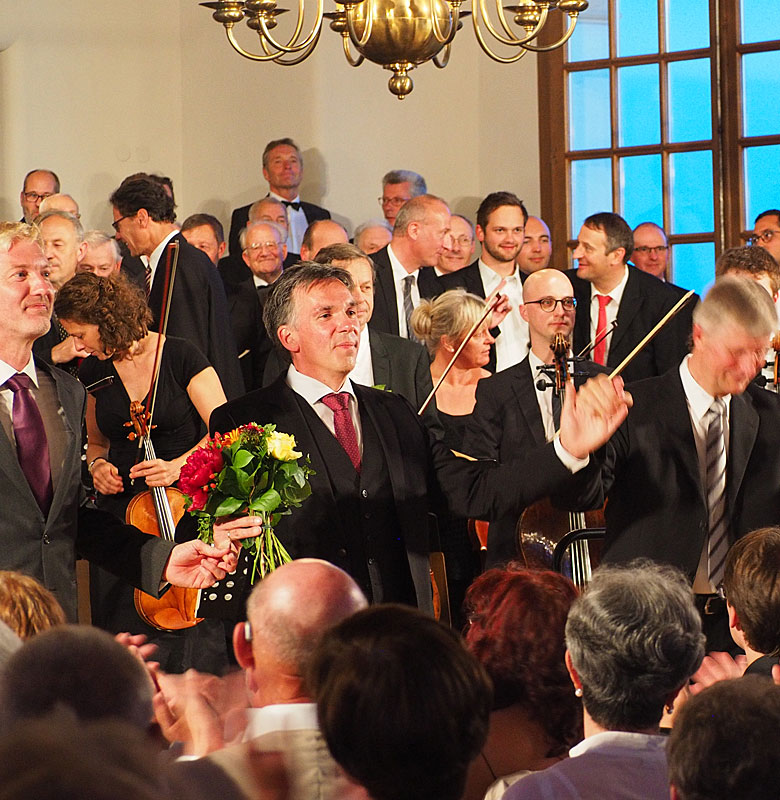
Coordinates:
x,y
338,403
600,350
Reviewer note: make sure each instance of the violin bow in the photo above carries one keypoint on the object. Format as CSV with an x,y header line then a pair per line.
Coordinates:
x,y
490,306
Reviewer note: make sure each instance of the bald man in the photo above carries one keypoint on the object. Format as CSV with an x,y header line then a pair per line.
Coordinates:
x,y
319,234
512,411
60,202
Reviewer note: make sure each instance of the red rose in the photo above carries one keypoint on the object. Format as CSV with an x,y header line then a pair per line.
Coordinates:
x,y
198,473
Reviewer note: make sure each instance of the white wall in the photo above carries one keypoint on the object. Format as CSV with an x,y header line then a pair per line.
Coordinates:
x,y
96,91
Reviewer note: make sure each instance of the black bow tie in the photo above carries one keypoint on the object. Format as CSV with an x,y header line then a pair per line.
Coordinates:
x,y
293,206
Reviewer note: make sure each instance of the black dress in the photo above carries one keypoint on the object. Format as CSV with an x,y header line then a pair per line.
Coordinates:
x,y
177,428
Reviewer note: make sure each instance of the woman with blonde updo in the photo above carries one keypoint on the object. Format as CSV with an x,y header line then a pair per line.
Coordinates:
x,y
442,324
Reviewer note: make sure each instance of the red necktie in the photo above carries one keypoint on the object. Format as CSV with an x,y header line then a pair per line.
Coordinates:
x,y
600,350
338,403
32,447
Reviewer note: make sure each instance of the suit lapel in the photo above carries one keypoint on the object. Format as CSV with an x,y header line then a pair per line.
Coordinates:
x,y
386,290
523,387
582,318
679,430
743,429
630,305
388,438
380,362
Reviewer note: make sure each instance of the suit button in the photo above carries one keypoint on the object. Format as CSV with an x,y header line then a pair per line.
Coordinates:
x,y
364,493
342,552
372,561
46,539
367,515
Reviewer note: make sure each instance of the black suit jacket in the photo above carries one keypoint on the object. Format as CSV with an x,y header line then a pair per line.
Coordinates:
x,y
385,316
506,421
252,342
420,469
46,548
650,474
199,311
645,300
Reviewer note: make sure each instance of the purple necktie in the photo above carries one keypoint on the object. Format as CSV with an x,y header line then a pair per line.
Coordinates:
x,y
32,448
338,403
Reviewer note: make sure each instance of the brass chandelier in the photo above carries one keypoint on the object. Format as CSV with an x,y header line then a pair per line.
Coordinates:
x,y
396,34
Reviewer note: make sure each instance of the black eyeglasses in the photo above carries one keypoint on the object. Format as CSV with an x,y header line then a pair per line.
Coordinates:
x,y
548,304
115,223
765,236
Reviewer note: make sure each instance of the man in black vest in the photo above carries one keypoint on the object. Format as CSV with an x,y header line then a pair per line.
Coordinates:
x,y
378,473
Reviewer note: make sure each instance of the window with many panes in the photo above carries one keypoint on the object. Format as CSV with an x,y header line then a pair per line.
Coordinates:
x,y
665,111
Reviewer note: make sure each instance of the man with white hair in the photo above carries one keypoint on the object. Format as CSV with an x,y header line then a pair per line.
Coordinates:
x,y
102,257
60,202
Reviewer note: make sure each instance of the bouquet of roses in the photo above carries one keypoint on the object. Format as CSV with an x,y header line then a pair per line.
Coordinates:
x,y
251,470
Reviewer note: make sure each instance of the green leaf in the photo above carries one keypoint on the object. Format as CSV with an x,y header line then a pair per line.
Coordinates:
x,y
228,506
242,458
268,501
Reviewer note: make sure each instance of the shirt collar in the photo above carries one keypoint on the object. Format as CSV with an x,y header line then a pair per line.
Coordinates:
x,y
617,293
280,717
7,371
312,390
699,400
491,279
399,270
296,199
154,258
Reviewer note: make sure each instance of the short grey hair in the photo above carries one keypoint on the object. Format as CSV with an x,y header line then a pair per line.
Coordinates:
x,y
740,301
417,185
280,305
635,638
254,208
78,228
416,210
13,232
99,238
372,223
281,232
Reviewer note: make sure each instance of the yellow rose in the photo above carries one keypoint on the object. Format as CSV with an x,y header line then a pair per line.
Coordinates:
x,y
282,446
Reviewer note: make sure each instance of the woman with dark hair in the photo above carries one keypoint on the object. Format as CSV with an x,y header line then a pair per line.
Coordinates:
x,y
109,320
517,618
633,640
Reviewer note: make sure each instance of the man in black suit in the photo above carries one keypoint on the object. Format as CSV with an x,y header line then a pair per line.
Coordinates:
x,y
515,408
608,289
320,234
501,219
45,523
283,169
144,219
654,469
404,268
378,472
38,185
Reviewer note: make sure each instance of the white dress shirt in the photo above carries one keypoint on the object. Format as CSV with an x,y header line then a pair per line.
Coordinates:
x,y
512,344
543,396
363,371
156,254
296,222
611,310
6,372
399,274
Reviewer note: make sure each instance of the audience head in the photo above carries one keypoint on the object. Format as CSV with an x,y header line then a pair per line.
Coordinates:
x,y
536,252
516,627
604,245
753,590
205,232
360,267
264,248
38,185
651,249
403,706
458,246
319,234
161,180
60,202
501,219
288,612
443,322
269,209
9,643
103,256
373,235
143,211
751,262
421,229
731,331
63,244
283,167
26,606
106,316
398,187
81,668
634,638
724,742
539,290
766,232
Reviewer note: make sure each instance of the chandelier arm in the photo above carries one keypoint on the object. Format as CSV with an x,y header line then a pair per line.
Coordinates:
x,y
440,37
445,59
565,38
297,59
292,45
512,41
353,62
483,44
358,41
245,53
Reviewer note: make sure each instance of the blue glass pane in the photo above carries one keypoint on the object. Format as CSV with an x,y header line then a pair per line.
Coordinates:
x,y
637,27
693,266
760,87
760,20
590,39
641,196
687,24
639,105
589,119
690,108
761,189
591,190
690,192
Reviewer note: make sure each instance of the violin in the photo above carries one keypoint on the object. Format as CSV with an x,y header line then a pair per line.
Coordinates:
x,y
156,511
